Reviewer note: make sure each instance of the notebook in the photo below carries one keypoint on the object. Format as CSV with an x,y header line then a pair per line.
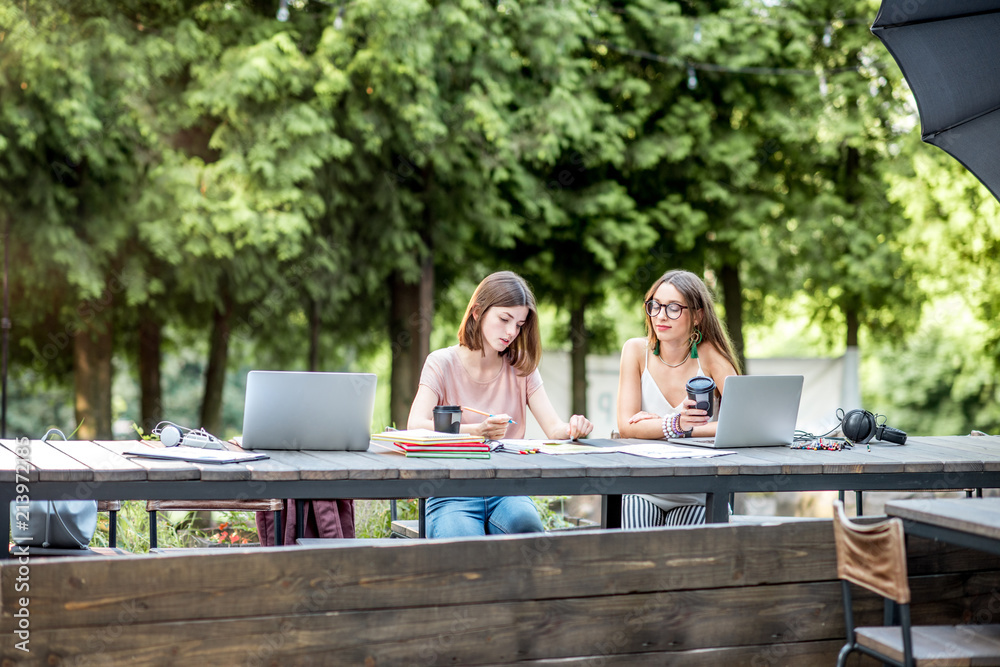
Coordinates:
x,y
756,411
300,410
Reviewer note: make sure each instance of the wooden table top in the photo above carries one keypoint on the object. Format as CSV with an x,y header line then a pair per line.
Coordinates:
x,y
977,516
104,461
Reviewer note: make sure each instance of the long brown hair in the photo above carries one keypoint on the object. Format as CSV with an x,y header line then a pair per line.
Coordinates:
x,y
504,289
698,297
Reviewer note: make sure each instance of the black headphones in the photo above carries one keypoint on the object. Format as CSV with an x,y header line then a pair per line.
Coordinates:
x,y
861,426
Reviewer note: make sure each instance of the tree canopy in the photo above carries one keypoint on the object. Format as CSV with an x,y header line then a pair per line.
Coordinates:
x,y
199,177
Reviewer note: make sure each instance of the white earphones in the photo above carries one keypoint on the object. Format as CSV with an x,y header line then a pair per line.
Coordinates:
x,y
172,435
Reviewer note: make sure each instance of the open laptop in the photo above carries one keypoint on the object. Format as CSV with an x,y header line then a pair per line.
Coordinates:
x,y
756,411
300,410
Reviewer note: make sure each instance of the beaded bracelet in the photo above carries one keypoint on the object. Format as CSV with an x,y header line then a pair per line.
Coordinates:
x,y
672,426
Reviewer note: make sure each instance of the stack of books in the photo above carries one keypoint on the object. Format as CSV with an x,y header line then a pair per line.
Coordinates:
x,y
421,443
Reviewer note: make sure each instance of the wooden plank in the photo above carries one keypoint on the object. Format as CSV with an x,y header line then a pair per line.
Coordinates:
x,y
938,644
978,516
953,460
265,581
11,468
412,468
358,465
501,632
790,461
309,467
787,654
987,446
107,465
53,465
156,470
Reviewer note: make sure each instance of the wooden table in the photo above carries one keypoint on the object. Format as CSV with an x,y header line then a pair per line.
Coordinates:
x,y
98,470
967,522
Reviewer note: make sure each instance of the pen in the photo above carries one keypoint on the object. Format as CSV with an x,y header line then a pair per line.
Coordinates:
x,y
480,412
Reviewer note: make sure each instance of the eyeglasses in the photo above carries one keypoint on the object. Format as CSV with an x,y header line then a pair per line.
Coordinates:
x,y
674,310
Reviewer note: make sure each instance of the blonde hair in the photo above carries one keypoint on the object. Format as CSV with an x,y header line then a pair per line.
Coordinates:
x,y
504,289
698,297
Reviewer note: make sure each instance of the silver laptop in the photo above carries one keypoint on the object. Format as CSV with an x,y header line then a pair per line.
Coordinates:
x,y
299,410
756,411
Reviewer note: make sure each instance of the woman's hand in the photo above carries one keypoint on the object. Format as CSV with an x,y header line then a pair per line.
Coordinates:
x,y
641,416
691,417
494,427
579,427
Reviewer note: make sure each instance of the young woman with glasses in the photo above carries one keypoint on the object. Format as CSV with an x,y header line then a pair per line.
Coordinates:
x,y
684,339
493,368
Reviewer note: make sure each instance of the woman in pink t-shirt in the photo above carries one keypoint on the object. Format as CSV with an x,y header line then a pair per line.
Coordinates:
x,y
493,368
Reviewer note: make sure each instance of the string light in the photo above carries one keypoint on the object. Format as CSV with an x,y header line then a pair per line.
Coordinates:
x,y
338,22
711,67
692,78
828,35
283,11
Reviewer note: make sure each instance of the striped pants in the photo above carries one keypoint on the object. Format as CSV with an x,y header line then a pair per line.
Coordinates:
x,y
637,512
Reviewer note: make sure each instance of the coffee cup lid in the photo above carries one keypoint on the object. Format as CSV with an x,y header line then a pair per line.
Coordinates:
x,y
700,384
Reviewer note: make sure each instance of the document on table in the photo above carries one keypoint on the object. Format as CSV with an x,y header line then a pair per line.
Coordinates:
x,y
197,455
653,450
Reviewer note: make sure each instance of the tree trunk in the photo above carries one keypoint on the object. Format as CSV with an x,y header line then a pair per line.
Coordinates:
x,y
852,326
92,350
851,392
151,389
215,373
732,295
410,320
579,337
314,327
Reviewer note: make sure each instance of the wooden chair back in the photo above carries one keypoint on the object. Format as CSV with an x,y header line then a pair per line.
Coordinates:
x,y
872,555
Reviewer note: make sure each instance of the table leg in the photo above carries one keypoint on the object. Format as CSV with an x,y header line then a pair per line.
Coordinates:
x,y
300,524
716,507
611,511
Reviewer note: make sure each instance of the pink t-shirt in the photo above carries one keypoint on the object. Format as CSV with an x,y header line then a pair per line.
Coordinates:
x,y
507,393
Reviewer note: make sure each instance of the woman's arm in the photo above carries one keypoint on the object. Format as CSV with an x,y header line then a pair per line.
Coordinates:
x,y
718,368
632,421
422,416
541,407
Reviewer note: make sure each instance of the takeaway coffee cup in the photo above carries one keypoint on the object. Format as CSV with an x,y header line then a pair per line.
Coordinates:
x,y
447,418
701,389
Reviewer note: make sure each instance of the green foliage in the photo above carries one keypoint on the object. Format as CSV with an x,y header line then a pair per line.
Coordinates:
x,y
133,529
185,163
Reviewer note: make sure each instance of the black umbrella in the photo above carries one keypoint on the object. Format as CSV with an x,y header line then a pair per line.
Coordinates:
x,y
949,51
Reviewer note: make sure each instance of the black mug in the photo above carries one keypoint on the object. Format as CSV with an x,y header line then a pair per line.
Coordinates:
x,y
447,418
701,389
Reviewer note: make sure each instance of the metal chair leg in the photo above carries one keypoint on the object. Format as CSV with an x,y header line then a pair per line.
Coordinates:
x,y
112,528
421,520
152,529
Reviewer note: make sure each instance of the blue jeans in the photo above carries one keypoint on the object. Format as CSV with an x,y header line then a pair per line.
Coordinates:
x,y
496,515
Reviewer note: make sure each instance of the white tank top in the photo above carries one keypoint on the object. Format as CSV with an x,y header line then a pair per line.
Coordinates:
x,y
654,401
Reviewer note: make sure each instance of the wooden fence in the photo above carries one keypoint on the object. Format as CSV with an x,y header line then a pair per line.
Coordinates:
x,y
727,594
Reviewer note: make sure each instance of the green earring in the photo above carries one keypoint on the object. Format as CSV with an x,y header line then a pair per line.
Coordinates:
x,y
656,349
694,343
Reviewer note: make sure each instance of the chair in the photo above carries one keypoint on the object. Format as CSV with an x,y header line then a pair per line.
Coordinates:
x,y
407,528
271,505
873,556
